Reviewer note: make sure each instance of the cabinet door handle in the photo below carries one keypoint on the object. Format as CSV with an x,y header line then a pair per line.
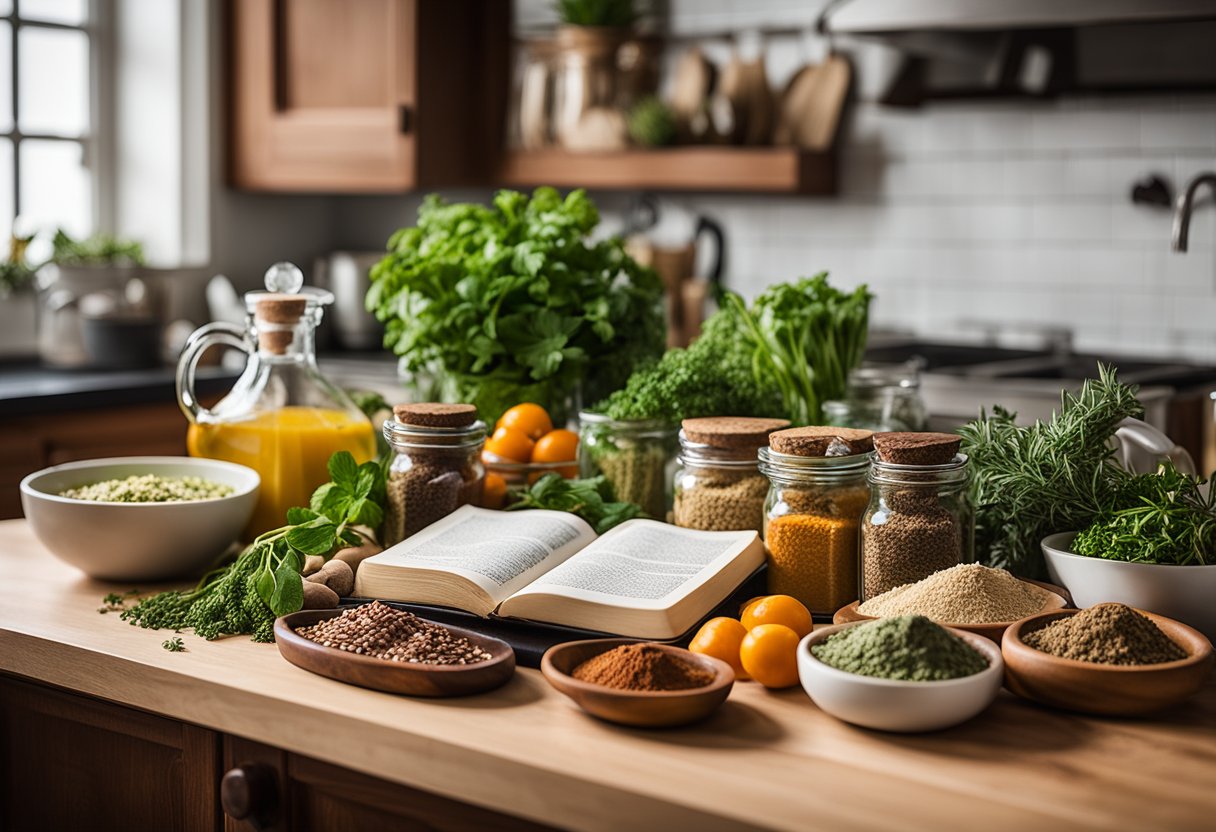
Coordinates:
x,y
250,793
405,115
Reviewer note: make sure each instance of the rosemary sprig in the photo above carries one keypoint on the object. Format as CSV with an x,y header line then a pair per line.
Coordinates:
x,y
1028,482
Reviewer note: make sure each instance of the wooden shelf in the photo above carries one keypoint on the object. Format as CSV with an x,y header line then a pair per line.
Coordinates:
x,y
777,170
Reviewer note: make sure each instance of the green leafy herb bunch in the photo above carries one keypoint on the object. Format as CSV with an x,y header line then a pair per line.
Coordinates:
x,y
512,302
265,581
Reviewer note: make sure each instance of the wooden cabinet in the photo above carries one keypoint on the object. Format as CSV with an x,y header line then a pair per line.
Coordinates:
x,y
364,97
72,762
28,443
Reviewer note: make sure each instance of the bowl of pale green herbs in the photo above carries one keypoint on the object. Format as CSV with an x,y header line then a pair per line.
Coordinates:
x,y
140,518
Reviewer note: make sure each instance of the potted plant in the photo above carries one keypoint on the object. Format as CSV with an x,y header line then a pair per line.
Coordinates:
x,y
588,37
99,265
18,302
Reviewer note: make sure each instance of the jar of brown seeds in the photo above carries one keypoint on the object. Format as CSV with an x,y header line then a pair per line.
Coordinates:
x,y
919,520
436,466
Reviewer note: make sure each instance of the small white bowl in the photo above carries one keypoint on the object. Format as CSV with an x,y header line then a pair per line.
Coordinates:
x,y
1184,593
138,541
896,705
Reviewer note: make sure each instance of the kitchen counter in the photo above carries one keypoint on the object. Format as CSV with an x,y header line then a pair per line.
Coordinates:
x,y
31,388
764,760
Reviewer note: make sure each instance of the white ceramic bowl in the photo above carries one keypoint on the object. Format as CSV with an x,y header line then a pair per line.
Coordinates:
x,y
893,705
138,541
1184,593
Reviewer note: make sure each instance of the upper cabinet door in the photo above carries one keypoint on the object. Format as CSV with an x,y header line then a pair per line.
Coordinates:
x,y
374,96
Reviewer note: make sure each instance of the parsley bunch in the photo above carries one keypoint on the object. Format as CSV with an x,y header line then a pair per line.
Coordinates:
x,y
510,302
265,582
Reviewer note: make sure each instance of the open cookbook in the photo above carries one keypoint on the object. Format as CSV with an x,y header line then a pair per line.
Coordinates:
x,y
643,579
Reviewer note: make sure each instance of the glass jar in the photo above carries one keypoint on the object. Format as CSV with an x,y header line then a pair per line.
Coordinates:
x,y
718,485
881,397
919,521
282,418
436,467
637,458
811,519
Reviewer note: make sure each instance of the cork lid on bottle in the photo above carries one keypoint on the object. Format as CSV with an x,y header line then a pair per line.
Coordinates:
x,y
436,414
278,310
901,448
731,432
816,440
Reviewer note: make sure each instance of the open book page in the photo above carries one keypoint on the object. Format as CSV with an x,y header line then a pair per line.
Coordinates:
x,y
499,551
644,564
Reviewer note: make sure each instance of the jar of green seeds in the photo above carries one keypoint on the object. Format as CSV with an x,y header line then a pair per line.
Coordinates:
x,y
636,457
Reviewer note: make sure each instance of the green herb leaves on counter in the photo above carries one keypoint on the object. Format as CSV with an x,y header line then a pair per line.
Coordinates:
x,y
784,356
265,582
805,337
97,250
1164,517
510,302
174,645
590,499
1029,482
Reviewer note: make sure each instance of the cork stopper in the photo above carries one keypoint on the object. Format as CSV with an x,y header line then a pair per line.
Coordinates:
x,y
815,440
732,432
917,448
280,309
436,414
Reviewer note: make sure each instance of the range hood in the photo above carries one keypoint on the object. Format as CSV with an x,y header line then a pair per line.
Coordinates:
x,y
1036,48
857,16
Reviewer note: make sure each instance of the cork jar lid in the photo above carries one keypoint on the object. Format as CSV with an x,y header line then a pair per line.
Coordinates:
x,y
902,448
275,308
436,414
731,432
816,440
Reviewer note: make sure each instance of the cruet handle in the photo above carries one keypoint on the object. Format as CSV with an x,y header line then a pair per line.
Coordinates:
x,y
219,333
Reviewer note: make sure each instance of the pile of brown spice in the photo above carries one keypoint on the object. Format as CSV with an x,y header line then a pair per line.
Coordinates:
x,y
379,631
1106,634
642,667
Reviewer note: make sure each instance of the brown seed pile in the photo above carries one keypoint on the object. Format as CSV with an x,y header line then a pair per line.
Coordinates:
x,y
719,501
969,593
918,536
379,631
1106,634
642,667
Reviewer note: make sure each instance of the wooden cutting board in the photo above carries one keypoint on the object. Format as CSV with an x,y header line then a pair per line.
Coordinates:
x,y
811,107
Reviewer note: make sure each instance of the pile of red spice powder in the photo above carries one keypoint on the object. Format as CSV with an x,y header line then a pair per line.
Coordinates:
x,y
642,667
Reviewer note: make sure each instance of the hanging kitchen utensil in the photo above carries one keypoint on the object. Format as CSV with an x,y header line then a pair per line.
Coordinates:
x,y
692,82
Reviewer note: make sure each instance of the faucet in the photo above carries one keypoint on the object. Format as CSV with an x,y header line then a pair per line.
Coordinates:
x,y
1186,202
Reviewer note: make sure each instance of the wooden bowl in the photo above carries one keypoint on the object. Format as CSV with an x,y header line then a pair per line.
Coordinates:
x,y
993,632
646,709
393,677
1114,690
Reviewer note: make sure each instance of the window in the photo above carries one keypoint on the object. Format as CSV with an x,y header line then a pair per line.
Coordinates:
x,y
47,118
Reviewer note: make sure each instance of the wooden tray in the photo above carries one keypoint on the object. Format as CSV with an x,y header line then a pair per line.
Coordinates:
x,y
993,632
393,677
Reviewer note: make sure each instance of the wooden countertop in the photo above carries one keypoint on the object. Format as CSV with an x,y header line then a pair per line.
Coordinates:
x,y
764,760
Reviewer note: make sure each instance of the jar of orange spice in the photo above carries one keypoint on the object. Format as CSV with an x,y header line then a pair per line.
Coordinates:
x,y
817,495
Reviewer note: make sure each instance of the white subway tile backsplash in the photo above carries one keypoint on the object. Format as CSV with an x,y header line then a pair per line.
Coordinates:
x,y
1075,222
1178,130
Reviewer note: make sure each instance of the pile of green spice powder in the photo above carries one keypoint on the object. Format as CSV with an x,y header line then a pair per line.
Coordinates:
x,y
908,648
149,488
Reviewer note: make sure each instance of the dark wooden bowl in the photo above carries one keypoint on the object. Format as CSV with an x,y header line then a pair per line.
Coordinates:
x,y
645,709
393,677
1113,690
992,632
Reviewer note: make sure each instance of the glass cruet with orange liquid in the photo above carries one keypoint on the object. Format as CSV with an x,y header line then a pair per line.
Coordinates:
x,y
282,418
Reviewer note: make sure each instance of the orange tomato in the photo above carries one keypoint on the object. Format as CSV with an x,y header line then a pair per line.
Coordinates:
x,y
769,653
559,445
510,444
778,609
494,494
527,418
721,638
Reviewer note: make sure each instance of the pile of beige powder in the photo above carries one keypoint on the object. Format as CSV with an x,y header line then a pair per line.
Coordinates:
x,y
965,594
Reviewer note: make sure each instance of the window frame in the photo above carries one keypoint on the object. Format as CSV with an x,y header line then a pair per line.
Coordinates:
x,y
94,142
